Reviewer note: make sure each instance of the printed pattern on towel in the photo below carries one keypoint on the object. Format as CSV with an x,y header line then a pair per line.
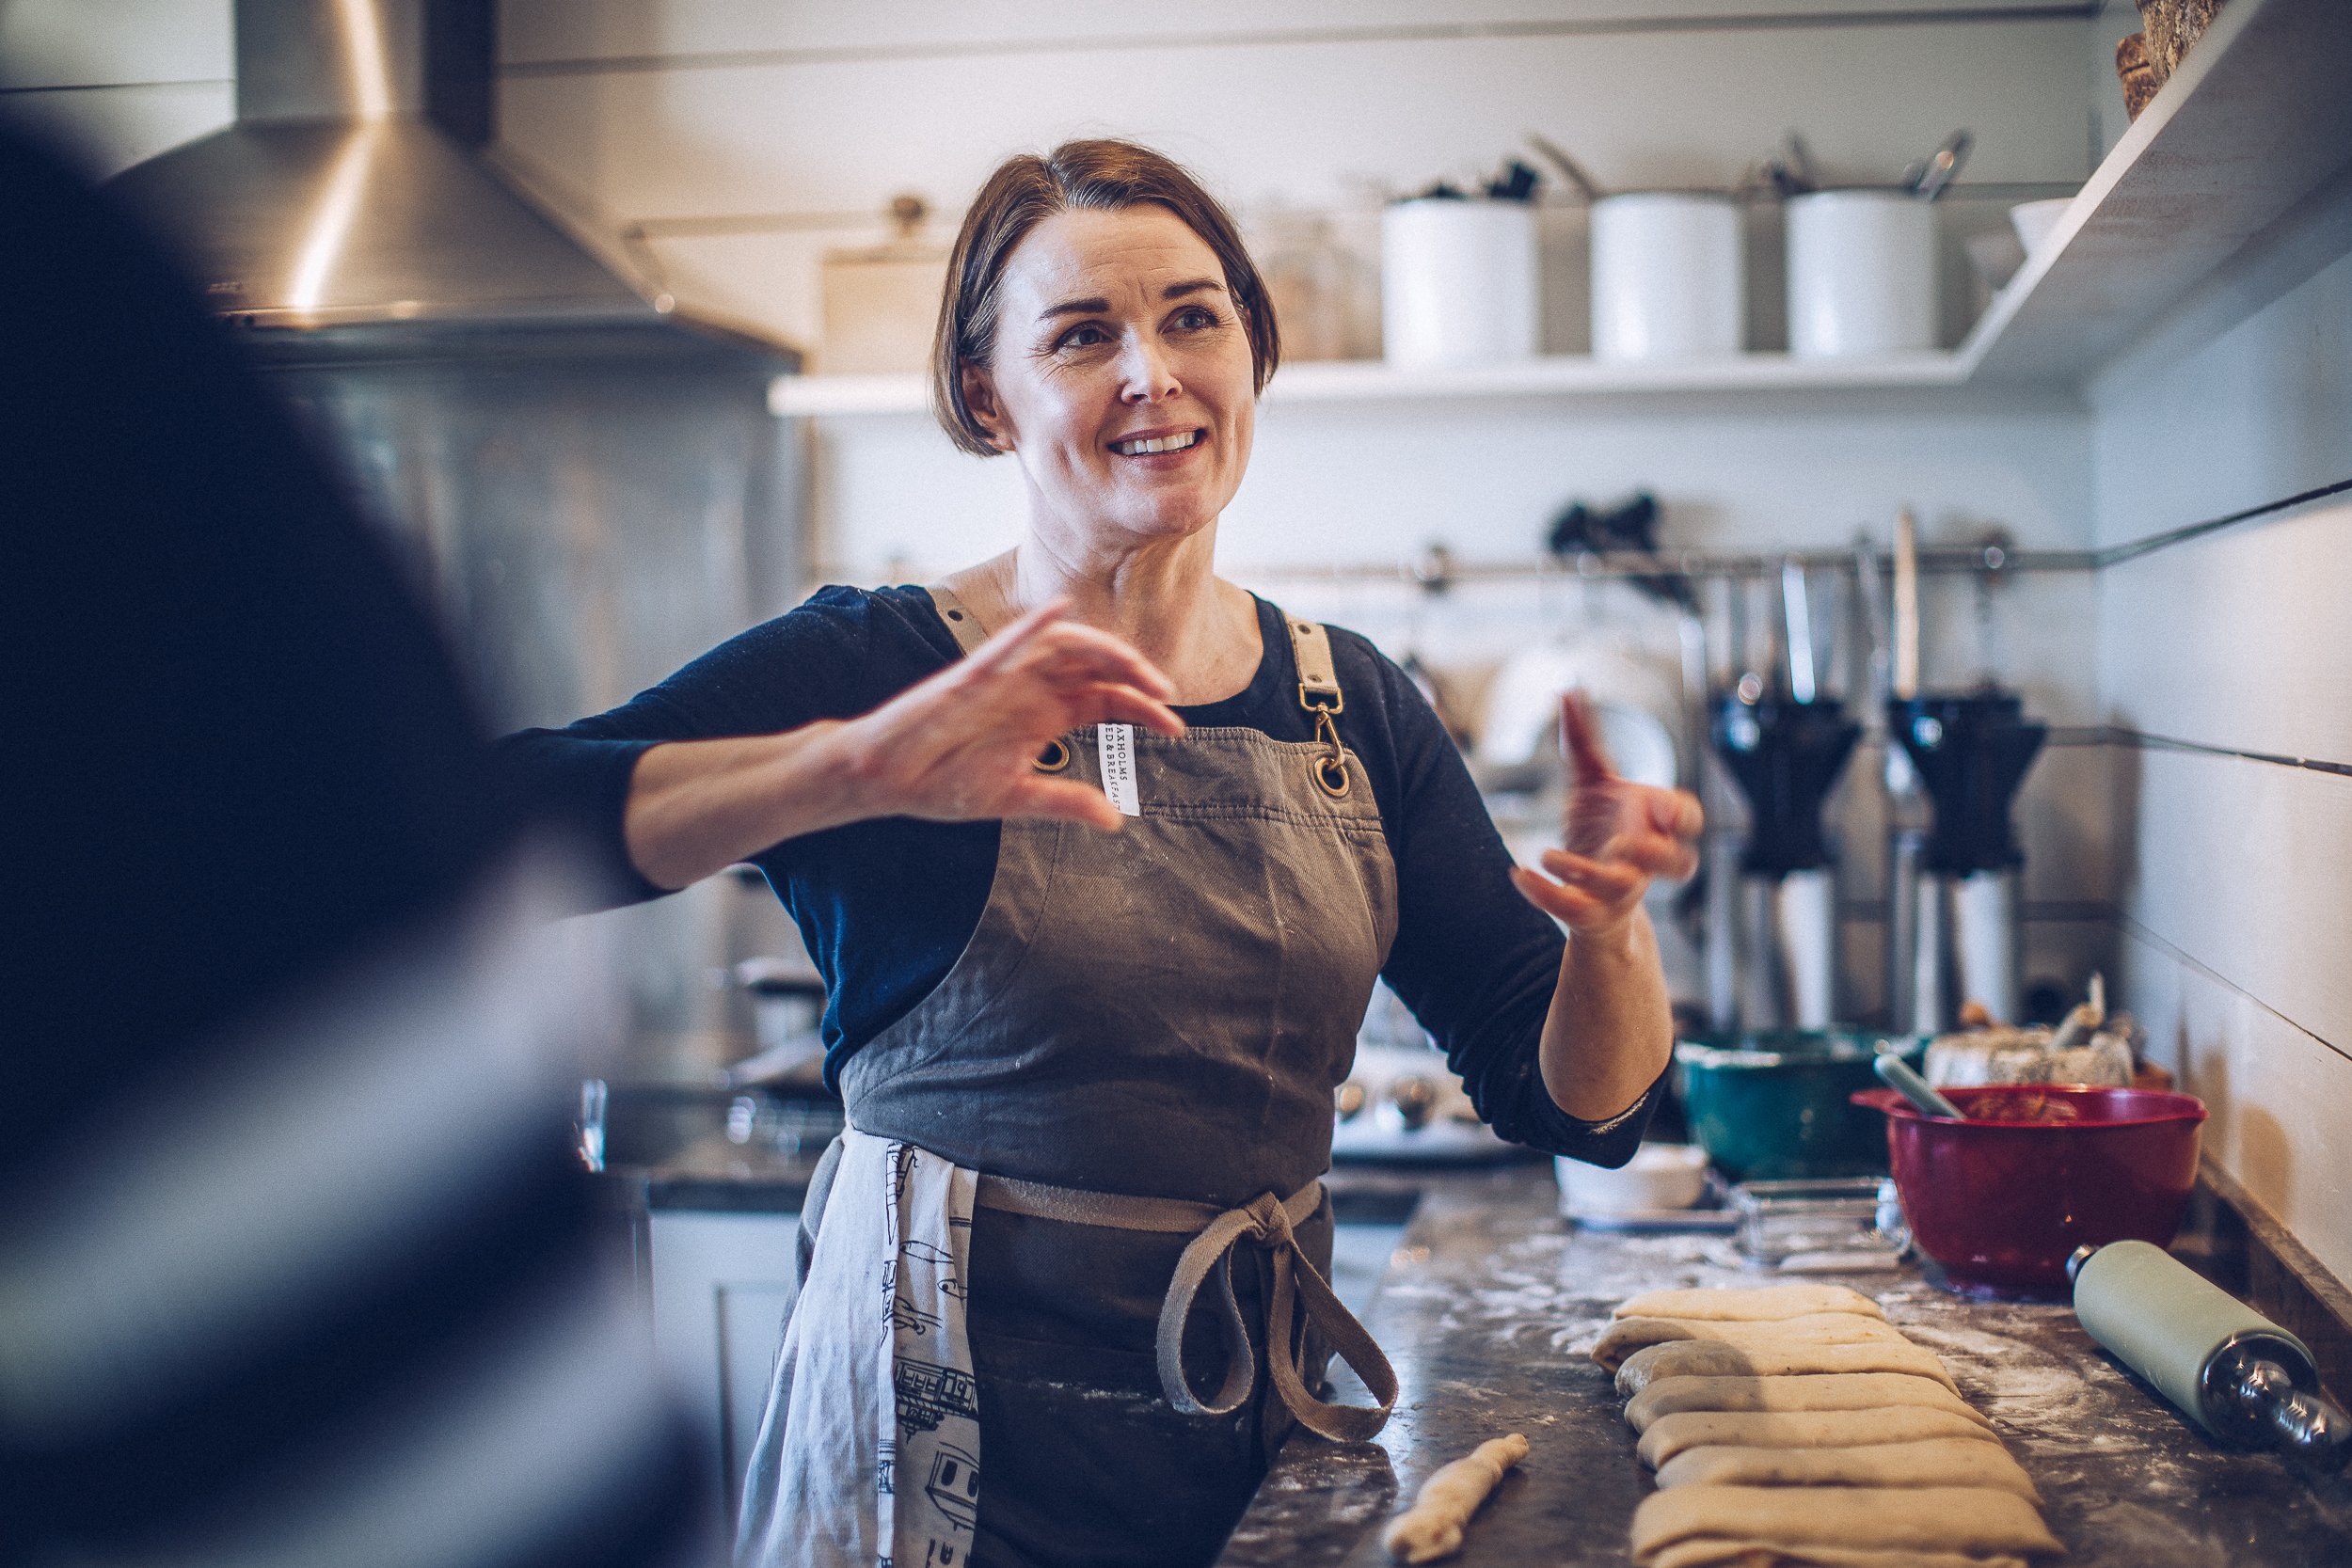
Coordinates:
x,y
869,1451
927,1475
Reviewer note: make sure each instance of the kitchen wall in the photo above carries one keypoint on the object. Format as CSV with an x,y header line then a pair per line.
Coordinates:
x,y
2224,665
118,81
744,141
2194,816
741,140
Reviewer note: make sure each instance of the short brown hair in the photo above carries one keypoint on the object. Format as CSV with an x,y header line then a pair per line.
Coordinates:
x,y
1099,175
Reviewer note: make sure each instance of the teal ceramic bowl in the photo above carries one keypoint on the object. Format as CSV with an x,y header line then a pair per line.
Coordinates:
x,y
1776,1105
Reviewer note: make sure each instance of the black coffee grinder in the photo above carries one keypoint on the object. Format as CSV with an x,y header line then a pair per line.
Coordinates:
x,y
1971,753
1786,748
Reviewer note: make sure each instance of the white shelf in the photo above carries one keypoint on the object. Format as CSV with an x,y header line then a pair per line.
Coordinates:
x,y
1374,380
2258,117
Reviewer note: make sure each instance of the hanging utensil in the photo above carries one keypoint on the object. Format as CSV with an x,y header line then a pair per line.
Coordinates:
x,y
1517,183
1906,607
1940,168
1570,170
1797,610
2084,1020
1802,174
1914,930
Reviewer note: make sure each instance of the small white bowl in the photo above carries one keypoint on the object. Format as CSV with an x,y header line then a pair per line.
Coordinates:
x,y
1660,1176
2034,220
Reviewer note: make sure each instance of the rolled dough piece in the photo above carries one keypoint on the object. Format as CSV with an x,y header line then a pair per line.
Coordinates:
x,y
1665,1396
1713,1359
1975,1520
1669,1435
1935,1462
1702,1552
1432,1528
1627,1335
1749,1303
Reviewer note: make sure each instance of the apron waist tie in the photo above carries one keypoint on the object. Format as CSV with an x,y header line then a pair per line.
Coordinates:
x,y
1298,1292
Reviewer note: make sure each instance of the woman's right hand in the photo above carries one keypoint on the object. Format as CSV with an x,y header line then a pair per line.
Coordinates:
x,y
955,746
958,747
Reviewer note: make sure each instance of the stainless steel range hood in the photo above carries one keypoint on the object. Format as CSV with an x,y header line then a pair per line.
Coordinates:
x,y
351,207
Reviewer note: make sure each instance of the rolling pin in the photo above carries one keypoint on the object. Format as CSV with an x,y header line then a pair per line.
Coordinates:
x,y
2240,1376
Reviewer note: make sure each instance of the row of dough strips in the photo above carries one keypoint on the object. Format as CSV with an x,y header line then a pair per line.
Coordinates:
x,y
1792,1426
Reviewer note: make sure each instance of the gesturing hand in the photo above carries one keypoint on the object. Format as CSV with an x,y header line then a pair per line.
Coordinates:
x,y
958,746
1618,835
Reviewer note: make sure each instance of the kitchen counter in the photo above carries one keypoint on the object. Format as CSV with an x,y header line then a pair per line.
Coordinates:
x,y
1492,1299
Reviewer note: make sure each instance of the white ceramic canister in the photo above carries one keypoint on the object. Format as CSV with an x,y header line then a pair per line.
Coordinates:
x,y
1458,283
1861,273
1667,275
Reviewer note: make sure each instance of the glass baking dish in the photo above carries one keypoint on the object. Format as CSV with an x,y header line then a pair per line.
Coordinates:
x,y
1847,1223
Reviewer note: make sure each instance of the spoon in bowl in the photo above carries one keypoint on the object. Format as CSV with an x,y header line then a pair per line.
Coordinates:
x,y
1896,1074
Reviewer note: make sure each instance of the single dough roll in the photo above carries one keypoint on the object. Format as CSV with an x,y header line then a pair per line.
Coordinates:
x,y
1432,1528
1627,1335
1701,1552
1713,1359
1669,1435
1969,1519
1749,1303
1935,1462
1665,1396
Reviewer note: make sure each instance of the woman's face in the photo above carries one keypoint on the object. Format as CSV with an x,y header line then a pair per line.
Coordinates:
x,y
1115,334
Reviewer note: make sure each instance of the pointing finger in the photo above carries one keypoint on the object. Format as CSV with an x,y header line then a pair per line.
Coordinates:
x,y
1579,737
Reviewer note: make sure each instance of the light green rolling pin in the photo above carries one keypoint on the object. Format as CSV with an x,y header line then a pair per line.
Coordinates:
x,y
2239,1375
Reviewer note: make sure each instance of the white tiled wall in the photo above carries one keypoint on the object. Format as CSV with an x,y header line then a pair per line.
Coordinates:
x,y
2236,869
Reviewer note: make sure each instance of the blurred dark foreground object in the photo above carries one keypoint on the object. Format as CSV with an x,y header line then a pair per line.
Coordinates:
x,y
294,1256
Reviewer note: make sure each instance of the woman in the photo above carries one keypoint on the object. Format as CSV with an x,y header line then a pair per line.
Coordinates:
x,y
1091,989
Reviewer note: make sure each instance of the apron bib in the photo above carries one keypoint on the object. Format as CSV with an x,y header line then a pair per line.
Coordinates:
x,y
1116,1101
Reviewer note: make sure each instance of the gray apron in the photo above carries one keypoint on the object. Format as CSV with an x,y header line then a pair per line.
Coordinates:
x,y
1122,1090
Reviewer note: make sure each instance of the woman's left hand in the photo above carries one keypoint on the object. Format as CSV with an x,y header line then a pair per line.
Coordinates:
x,y
1617,835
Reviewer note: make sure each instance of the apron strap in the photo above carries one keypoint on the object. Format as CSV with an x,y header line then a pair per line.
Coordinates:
x,y
1319,695
959,617
1318,676
1299,1290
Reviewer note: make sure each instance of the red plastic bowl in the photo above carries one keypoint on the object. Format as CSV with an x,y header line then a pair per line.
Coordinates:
x,y
2001,1202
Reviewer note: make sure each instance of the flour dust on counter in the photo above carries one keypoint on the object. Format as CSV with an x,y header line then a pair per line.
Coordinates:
x,y
1491,1302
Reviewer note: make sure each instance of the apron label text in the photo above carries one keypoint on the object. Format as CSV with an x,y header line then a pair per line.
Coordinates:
x,y
1117,745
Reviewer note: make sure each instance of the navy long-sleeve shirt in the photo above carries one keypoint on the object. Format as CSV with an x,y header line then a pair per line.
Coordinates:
x,y
887,905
